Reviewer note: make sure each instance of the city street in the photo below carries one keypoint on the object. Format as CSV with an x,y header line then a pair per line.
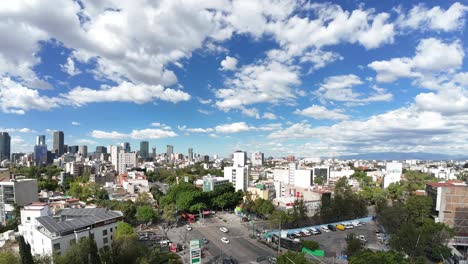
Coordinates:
x,y
240,246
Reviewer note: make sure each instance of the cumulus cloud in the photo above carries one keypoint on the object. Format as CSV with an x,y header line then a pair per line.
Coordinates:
x,y
432,55
268,115
69,67
232,128
148,133
321,112
161,125
75,123
18,130
125,92
204,101
229,64
436,18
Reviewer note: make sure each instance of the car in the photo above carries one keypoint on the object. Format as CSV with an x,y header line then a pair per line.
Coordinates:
x,y
340,227
188,227
291,236
332,227
302,234
356,223
223,229
205,241
306,232
225,240
325,229
314,231
297,234
348,225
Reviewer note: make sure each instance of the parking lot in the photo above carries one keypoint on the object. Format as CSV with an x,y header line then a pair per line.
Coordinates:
x,y
241,247
334,241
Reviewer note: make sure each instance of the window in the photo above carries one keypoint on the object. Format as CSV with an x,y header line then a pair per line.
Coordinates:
x,y
104,232
28,218
111,229
105,240
57,246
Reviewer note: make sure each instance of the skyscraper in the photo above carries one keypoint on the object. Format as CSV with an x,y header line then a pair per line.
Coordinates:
x,y
5,144
126,146
153,154
239,158
144,149
58,147
101,149
40,140
169,151
83,150
190,154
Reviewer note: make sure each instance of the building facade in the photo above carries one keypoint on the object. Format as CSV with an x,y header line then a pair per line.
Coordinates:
x,y
126,161
144,149
238,176
257,158
210,183
58,146
5,146
239,158
19,192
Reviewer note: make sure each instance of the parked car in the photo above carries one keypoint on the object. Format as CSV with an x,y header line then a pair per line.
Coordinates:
x,y
324,229
291,236
306,232
356,223
348,225
315,231
302,234
340,227
205,241
188,227
298,234
332,227
223,229
225,240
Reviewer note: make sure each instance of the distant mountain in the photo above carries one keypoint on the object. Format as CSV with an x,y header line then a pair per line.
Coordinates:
x,y
403,156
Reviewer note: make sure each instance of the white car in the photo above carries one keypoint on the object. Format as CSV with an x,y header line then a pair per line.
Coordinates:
x,y
325,229
223,229
356,223
306,232
188,227
348,225
225,240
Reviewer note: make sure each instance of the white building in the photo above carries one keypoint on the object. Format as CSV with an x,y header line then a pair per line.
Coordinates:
x,y
292,173
19,192
393,173
239,158
126,161
238,175
303,178
257,158
114,152
134,182
210,182
48,234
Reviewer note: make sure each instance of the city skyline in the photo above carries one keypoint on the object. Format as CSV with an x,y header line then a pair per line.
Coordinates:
x,y
284,78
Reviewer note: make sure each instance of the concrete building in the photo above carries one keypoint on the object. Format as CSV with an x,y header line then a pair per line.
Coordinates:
x,y
190,154
40,154
169,151
126,161
58,146
134,182
19,192
264,190
5,146
73,149
50,235
450,206
238,176
114,151
304,178
239,158
153,152
83,151
210,182
101,150
144,149
393,173
126,146
257,158
292,173
323,172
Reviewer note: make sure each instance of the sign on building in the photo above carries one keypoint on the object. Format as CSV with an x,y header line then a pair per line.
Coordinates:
x,y
195,251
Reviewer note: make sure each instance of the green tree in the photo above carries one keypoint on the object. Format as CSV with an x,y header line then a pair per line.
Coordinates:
x,y
84,251
353,244
169,217
299,212
25,251
418,208
125,231
145,213
292,257
143,198
8,257
369,257
310,244
278,218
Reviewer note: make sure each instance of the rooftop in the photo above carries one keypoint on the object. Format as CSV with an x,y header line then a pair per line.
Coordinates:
x,y
450,183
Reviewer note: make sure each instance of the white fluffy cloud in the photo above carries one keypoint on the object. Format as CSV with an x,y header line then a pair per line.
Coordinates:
x,y
125,92
269,115
339,88
229,64
18,130
232,128
436,18
75,123
86,142
17,99
148,133
70,68
321,112
432,55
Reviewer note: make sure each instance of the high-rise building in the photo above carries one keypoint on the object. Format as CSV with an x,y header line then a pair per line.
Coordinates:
x,y
239,158
101,150
5,146
238,176
83,151
58,146
393,173
16,192
126,161
73,149
190,154
153,152
257,158
40,140
114,151
126,146
144,149
169,151
40,154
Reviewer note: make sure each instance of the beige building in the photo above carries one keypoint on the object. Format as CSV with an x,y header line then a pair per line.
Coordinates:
x,y
19,192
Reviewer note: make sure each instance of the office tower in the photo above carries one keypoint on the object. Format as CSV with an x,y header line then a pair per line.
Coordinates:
x,y
114,151
40,154
206,158
126,146
257,158
190,154
58,146
144,149
73,149
126,161
83,151
240,158
153,154
5,146
40,140
101,150
169,151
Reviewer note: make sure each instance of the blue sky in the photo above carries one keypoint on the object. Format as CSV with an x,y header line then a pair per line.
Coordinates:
x,y
283,77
